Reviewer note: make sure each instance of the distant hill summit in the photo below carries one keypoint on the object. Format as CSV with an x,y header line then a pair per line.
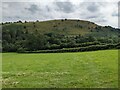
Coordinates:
x,y
64,31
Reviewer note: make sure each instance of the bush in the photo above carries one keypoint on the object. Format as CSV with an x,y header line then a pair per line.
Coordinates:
x,y
21,49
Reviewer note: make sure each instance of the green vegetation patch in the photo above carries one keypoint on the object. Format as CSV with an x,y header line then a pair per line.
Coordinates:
x,y
55,34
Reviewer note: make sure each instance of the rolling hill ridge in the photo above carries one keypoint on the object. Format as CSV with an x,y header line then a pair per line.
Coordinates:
x,y
64,26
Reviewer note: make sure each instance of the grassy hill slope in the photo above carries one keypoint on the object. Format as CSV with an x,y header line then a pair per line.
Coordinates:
x,y
66,27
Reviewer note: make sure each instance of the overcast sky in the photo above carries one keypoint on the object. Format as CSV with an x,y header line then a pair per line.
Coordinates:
x,y
100,12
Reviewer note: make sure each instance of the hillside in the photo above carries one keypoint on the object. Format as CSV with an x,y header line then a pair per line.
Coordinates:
x,y
66,27
55,33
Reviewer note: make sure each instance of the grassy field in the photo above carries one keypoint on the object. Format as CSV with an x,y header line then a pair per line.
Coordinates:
x,y
62,70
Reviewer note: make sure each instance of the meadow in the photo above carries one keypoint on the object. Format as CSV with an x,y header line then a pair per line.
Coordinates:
x,y
96,69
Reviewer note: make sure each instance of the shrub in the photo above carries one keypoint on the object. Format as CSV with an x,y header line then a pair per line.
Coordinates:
x,y
21,49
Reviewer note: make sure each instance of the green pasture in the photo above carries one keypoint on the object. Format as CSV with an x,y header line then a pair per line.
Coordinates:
x,y
97,69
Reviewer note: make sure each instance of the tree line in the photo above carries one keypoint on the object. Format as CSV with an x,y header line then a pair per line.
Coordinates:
x,y
20,41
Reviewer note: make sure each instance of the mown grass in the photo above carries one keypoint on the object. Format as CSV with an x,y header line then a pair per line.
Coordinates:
x,y
97,69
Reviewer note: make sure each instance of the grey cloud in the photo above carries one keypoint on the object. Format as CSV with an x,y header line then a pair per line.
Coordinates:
x,y
48,8
66,7
115,14
33,8
91,17
93,7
